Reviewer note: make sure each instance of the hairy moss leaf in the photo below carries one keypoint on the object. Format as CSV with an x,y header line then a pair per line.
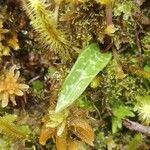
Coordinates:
x,y
89,63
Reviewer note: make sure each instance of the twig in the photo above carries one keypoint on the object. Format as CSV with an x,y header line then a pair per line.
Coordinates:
x,y
33,79
99,114
108,47
56,13
124,48
138,43
109,14
135,126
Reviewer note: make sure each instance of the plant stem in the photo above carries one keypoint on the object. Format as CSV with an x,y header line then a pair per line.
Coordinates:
x,y
108,11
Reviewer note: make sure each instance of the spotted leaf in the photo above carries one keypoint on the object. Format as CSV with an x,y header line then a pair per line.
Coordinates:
x,y
89,63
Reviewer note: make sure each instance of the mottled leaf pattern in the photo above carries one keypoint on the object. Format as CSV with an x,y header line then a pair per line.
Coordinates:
x,y
89,63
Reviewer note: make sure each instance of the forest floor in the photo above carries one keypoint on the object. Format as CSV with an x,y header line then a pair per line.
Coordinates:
x,y
112,113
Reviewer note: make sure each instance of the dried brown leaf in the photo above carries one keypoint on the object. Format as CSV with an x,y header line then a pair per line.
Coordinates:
x,y
61,142
119,73
72,145
83,130
46,133
76,145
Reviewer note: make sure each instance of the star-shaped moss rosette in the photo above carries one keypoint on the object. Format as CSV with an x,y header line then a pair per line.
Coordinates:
x,y
11,87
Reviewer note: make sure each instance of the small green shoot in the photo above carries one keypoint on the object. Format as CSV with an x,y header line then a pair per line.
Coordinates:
x,y
120,113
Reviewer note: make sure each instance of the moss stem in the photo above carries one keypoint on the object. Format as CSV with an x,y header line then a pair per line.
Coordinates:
x,y
108,11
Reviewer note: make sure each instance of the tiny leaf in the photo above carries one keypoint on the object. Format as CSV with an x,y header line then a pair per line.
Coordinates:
x,y
38,85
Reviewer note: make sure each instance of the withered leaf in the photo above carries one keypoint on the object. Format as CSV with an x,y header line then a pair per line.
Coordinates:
x,y
76,145
119,73
46,133
83,130
72,145
61,142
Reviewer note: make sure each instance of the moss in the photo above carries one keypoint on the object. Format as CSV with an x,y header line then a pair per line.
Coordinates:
x,y
124,90
70,26
8,39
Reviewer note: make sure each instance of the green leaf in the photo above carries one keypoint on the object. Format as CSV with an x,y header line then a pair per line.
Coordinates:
x,y
116,124
147,68
120,113
89,63
9,118
123,111
84,103
38,86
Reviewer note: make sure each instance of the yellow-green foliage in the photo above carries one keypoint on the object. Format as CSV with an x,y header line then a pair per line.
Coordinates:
x,y
120,112
135,142
44,23
125,89
12,130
